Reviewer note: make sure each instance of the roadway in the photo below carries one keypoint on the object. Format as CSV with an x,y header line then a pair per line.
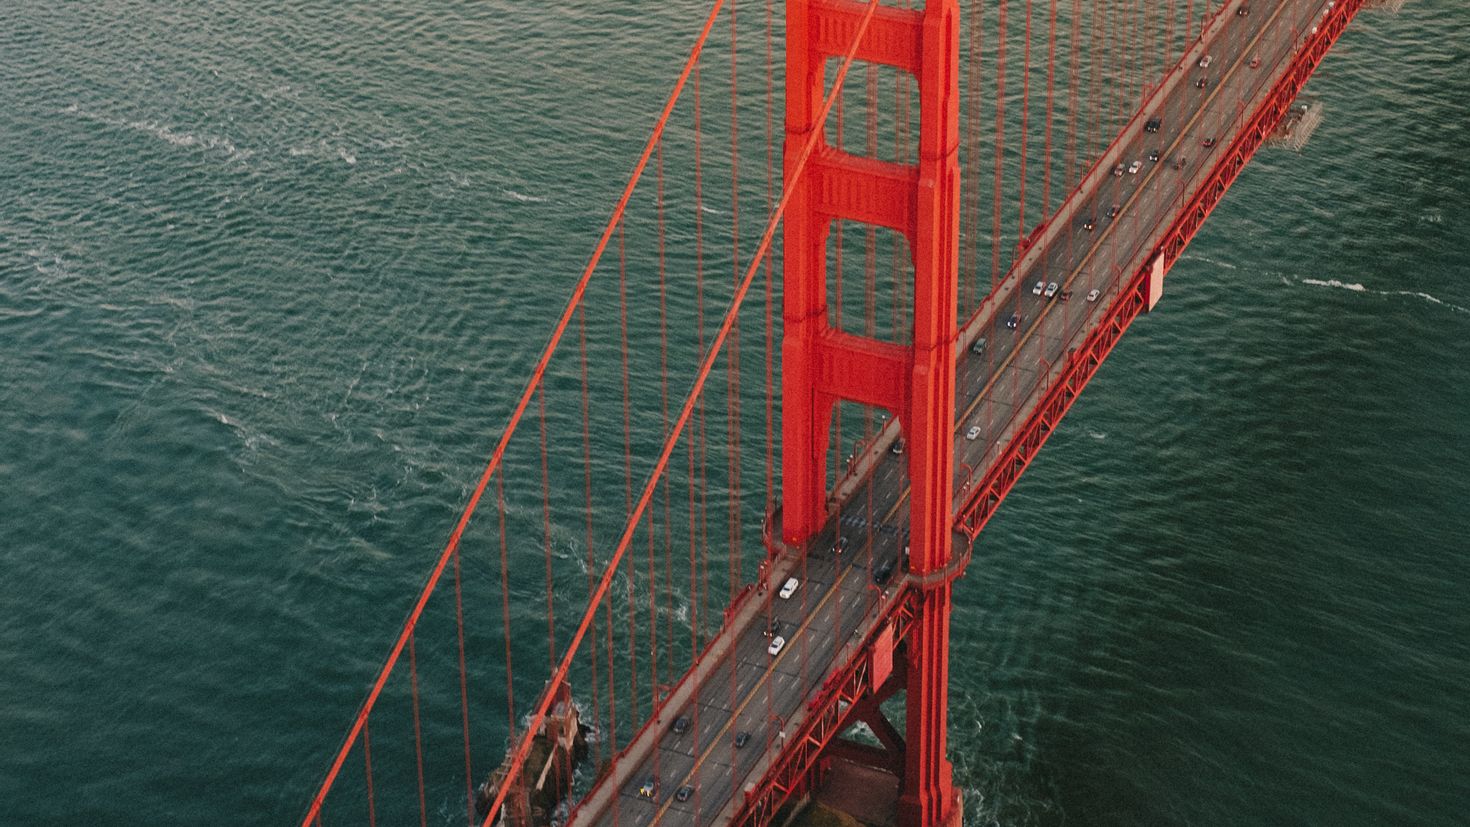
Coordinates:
x,y
744,689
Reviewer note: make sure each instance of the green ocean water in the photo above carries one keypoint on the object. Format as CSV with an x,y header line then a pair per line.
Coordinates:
x,y
272,273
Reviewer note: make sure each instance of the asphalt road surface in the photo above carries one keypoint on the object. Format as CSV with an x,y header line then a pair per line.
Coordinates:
x,y
746,689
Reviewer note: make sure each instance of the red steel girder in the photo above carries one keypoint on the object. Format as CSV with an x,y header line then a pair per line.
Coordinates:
x,y
826,715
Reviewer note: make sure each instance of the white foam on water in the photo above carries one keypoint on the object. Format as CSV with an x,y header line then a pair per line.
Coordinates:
x,y
1358,288
1227,265
166,133
1428,298
519,196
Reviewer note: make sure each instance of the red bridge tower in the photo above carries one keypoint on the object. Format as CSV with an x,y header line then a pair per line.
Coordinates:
x,y
822,365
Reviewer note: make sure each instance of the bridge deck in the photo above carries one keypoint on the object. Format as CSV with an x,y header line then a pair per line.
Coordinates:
x,y
738,687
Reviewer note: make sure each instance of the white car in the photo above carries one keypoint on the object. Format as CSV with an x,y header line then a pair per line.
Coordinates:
x,y
1204,62
1040,286
776,643
1092,296
1134,167
787,590
973,433
1051,289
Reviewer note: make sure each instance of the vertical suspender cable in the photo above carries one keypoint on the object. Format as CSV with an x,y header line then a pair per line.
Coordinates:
x,y
769,263
1000,134
970,191
367,771
1051,75
418,740
632,631
546,531
464,689
732,353
1025,121
587,509
1074,86
510,691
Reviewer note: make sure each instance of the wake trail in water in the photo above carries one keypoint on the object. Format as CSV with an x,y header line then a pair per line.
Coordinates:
x,y
165,133
1358,288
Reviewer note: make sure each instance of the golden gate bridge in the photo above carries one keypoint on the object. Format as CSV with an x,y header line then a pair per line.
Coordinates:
x,y
806,361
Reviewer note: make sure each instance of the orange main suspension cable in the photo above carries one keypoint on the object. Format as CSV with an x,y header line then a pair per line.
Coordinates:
x,y
686,413
522,403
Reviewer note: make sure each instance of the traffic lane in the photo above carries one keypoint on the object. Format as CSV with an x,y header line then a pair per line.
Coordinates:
x,y
789,685
1228,49
793,681
675,756
1120,255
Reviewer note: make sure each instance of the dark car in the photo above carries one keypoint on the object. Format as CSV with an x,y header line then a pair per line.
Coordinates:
x,y
1152,125
1207,143
683,793
1089,224
1154,156
839,546
1201,83
1066,294
1242,11
896,448
1180,162
772,629
1014,321
1114,210
741,739
681,724
883,572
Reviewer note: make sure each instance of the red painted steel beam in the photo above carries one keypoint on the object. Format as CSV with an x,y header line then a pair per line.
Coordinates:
x,y
821,366
825,716
1084,361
